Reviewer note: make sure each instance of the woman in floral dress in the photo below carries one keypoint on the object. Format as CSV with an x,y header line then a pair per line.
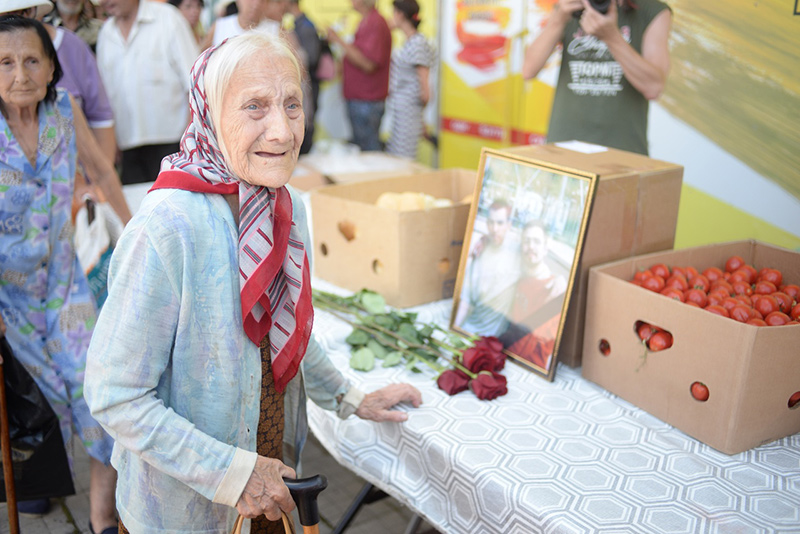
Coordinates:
x,y
45,300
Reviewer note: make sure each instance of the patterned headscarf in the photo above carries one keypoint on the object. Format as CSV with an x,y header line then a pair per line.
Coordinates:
x,y
273,265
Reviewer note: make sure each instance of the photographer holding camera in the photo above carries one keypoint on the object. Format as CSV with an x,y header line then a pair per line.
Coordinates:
x,y
615,59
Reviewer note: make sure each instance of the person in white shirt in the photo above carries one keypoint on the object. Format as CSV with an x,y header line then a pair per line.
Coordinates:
x,y
145,52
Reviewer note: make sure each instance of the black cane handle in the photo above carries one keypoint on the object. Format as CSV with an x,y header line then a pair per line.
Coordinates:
x,y
304,492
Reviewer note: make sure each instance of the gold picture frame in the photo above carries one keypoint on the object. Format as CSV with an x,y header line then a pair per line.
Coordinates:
x,y
520,255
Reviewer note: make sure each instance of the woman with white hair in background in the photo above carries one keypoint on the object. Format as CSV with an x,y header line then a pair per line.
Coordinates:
x,y
203,356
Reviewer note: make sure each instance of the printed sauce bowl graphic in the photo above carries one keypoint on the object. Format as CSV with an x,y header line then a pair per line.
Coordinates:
x,y
483,42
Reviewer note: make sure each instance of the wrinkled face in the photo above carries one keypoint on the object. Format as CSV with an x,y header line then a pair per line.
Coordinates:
x,y
25,69
498,225
262,122
191,9
534,245
120,8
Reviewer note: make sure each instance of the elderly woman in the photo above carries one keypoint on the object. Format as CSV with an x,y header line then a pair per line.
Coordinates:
x,y
44,297
203,355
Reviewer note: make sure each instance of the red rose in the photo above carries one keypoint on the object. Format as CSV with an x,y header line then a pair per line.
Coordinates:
x,y
490,342
453,381
483,357
488,385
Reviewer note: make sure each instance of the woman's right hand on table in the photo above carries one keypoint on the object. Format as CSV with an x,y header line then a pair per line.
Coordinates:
x,y
265,492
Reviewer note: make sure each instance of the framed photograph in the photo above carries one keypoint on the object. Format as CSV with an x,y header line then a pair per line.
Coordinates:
x,y
520,256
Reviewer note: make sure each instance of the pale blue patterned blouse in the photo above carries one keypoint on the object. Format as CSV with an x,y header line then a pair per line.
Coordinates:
x,y
173,377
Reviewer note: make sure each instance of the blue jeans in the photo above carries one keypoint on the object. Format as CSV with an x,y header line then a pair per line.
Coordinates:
x,y
365,119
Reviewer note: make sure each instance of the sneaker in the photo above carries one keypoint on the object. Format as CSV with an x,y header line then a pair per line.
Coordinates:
x,y
109,530
35,507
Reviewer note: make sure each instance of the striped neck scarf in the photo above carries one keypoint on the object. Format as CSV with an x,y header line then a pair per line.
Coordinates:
x,y
274,277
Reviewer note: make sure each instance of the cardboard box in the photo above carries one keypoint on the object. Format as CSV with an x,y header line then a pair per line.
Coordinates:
x,y
635,211
410,257
751,372
360,167
305,178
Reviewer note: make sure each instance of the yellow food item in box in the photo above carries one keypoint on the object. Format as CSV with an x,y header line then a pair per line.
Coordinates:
x,y
410,201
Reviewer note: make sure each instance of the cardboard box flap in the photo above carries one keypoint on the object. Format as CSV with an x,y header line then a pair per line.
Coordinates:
x,y
608,162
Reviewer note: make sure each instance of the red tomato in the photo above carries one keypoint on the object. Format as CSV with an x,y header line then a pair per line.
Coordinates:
x,y
719,310
764,288
696,296
701,282
741,313
673,292
691,272
795,313
677,281
699,391
645,330
716,297
661,270
660,341
733,263
681,271
740,287
744,299
642,275
752,272
694,304
777,318
766,304
784,301
605,348
741,274
792,290
654,283
636,283
772,275
794,399
755,321
713,273
724,284
729,303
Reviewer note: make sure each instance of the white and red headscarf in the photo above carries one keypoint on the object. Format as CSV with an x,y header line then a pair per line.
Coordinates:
x,y
274,274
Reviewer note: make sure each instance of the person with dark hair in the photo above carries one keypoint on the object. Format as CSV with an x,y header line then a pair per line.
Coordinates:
x,y
45,300
308,38
191,10
365,76
612,65
492,270
409,86
538,299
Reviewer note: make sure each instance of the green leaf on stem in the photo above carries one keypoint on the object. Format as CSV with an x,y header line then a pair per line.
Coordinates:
x,y
386,321
362,360
392,359
357,337
372,302
377,349
408,332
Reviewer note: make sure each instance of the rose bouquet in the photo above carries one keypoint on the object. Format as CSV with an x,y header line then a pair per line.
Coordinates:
x,y
394,337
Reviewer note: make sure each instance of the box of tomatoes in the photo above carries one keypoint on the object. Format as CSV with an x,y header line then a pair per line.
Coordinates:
x,y
706,339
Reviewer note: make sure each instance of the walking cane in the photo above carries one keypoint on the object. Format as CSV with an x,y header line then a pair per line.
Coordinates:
x,y
5,445
304,492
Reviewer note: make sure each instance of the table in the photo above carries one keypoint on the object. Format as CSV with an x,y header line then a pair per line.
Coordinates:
x,y
560,457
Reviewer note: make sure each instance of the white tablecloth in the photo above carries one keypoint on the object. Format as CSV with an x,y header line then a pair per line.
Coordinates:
x,y
560,457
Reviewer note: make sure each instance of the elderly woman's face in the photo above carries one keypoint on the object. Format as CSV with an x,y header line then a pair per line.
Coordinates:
x,y
25,69
262,121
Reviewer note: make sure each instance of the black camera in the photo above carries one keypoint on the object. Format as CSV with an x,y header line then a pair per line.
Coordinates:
x,y
598,5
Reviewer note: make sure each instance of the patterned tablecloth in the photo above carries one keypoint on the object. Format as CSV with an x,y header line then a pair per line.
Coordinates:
x,y
560,457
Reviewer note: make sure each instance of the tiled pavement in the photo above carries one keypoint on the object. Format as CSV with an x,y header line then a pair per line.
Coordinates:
x,y
71,514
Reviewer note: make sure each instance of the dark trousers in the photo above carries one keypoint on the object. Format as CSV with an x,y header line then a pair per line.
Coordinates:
x,y
142,163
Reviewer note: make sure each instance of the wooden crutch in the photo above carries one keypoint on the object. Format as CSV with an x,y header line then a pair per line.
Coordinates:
x,y
5,445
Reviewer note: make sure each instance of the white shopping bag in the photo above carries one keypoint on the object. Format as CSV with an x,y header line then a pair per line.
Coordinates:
x,y
97,228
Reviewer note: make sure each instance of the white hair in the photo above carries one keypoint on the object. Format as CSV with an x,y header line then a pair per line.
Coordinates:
x,y
227,58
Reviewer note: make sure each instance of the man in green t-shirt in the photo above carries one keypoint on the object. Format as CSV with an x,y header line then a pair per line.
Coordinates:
x,y
612,65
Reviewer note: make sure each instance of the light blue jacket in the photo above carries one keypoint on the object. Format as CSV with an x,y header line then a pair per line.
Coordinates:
x,y
172,376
